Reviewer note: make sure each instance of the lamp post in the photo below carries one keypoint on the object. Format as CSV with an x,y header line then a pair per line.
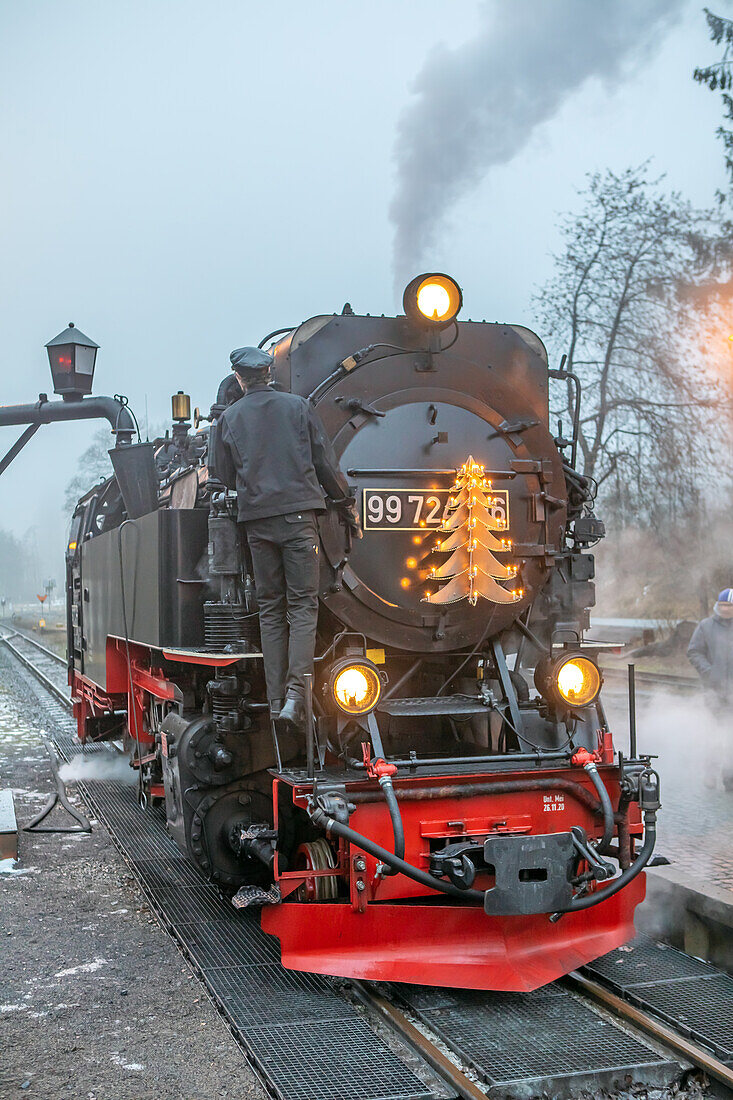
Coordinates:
x,y
72,357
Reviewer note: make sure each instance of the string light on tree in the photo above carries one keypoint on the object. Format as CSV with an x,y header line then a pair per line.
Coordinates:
x,y
474,533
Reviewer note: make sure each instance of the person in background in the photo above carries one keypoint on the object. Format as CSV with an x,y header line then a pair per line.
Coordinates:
x,y
271,447
711,652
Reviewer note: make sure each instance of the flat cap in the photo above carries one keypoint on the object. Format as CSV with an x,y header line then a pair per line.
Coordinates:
x,y
244,360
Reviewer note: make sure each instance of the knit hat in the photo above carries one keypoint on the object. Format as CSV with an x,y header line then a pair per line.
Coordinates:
x,y
726,596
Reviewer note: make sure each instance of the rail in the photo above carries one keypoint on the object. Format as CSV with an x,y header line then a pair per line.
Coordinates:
x,y
652,679
661,1032
398,1021
59,693
38,645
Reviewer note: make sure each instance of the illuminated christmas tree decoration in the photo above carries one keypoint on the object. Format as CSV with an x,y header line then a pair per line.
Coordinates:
x,y
472,570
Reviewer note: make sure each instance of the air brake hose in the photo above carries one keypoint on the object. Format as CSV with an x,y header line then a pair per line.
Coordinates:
x,y
385,782
649,802
381,770
323,821
650,837
605,800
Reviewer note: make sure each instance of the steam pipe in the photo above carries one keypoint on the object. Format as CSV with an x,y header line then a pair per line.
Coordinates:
x,y
394,688
532,637
515,757
507,786
385,782
275,332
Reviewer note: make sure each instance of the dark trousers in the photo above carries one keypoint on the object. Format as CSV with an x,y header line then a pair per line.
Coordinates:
x,y
284,553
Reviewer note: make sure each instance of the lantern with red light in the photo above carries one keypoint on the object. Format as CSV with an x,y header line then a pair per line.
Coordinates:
x,y
72,356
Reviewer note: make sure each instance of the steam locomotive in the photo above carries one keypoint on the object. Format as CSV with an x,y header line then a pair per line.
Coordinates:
x,y
454,812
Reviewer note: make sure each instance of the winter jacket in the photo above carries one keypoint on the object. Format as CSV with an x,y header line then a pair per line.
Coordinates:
x,y
711,652
271,447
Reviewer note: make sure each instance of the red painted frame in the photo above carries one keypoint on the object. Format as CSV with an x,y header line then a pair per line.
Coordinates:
x,y
398,930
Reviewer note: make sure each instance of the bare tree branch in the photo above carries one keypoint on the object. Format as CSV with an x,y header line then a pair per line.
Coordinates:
x,y
638,278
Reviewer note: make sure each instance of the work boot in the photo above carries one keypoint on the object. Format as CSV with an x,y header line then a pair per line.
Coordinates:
x,y
293,712
276,705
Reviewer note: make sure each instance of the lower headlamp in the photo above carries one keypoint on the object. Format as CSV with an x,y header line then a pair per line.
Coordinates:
x,y
570,680
355,685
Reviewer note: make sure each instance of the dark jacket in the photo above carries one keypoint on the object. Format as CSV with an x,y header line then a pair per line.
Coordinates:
x,y
711,652
271,447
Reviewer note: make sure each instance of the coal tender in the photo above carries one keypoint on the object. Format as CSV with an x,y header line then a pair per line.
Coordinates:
x,y
455,812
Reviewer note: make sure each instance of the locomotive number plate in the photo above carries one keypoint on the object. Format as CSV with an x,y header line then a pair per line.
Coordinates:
x,y
417,509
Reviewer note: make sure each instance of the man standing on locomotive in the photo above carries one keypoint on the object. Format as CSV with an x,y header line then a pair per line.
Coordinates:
x,y
271,447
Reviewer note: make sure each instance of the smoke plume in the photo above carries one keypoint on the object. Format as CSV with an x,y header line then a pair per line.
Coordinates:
x,y
477,105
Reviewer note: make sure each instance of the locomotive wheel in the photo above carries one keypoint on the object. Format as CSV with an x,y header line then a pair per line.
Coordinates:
x,y
316,855
211,828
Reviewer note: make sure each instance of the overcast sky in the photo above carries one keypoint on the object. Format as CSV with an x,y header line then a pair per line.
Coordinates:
x,y
180,178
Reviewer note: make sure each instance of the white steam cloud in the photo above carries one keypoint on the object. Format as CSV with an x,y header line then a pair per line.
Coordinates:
x,y
83,768
477,105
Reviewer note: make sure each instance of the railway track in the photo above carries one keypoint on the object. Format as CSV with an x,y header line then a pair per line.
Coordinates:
x,y
616,679
448,1043
47,667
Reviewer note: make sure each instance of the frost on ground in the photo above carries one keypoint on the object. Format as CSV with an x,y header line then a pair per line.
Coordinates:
x,y
9,866
119,1061
82,968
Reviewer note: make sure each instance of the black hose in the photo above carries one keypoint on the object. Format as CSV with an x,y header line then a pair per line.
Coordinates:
x,y
650,837
605,799
321,819
398,830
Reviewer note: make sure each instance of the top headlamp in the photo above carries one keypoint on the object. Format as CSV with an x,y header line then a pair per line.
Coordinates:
x,y
433,300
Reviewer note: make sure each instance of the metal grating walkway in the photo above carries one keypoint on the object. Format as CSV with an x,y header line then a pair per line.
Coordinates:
x,y
304,1039
308,1041
534,1044
691,995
